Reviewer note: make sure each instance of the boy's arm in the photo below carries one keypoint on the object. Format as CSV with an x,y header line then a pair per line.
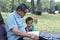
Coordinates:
x,y
26,29
33,28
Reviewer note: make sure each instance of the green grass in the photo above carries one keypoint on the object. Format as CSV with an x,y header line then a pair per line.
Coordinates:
x,y
46,22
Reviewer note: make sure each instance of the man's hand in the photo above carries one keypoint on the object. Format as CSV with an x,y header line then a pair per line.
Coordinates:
x,y
34,37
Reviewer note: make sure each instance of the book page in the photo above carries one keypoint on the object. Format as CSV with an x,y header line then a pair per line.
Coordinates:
x,y
35,32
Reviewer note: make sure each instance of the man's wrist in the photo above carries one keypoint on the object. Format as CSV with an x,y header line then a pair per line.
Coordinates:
x,y
28,35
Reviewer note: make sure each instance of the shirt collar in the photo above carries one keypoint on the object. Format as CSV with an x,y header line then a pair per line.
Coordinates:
x,y
16,14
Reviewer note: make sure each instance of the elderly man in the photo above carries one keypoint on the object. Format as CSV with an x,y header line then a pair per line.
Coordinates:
x,y
15,26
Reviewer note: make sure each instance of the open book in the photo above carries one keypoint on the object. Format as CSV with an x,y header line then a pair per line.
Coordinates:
x,y
35,32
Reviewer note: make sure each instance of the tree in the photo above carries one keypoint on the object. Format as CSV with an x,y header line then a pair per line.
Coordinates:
x,y
46,7
52,6
23,1
18,1
39,9
12,8
32,6
0,6
56,6
59,7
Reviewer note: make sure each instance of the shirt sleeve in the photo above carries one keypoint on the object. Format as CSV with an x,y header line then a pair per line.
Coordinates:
x,y
11,22
32,28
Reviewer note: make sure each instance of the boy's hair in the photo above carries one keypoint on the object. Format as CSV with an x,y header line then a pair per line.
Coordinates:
x,y
22,7
28,19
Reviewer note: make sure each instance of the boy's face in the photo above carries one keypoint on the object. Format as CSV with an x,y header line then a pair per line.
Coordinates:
x,y
30,23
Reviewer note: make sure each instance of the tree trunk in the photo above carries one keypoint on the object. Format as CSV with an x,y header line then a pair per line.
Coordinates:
x,y
0,9
0,6
32,6
25,1
59,7
52,6
46,8
12,8
18,1
39,9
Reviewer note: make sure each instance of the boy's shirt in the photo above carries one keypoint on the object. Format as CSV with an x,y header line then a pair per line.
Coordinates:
x,y
28,27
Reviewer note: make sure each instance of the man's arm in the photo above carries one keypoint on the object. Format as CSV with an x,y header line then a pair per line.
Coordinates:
x,y
19,33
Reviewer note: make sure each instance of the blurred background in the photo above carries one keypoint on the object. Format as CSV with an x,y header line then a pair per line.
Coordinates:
x,y
46,11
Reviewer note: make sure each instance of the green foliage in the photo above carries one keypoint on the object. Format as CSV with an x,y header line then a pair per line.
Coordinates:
x,y
56,5
6,4
45,3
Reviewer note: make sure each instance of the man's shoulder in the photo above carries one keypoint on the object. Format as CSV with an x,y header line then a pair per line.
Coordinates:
x,y
10,15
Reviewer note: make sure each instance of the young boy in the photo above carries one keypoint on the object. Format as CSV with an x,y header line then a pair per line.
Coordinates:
x,y
29,22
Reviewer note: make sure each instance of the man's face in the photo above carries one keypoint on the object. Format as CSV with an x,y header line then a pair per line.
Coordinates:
x,y
22,13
